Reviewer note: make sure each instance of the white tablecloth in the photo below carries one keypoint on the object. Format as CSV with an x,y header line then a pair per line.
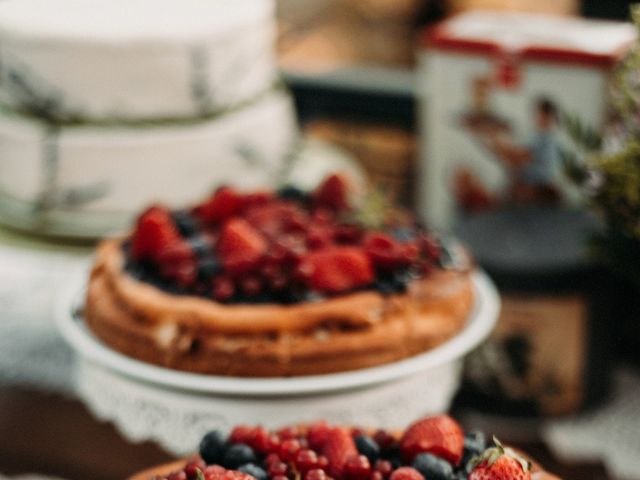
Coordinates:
x,y
32,272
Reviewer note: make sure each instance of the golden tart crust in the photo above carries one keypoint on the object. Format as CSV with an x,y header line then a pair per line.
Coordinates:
x,y
342,333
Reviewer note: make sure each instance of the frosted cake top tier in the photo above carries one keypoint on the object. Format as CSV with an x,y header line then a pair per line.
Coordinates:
x,y
128,20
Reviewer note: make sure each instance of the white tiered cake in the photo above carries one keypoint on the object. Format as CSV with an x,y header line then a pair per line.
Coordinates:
x,y
108,105
134,59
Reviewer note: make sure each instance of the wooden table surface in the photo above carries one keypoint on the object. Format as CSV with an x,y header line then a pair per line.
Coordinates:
x,y
48,434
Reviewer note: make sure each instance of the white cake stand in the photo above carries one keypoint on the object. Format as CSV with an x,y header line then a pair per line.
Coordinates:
x,y
147,402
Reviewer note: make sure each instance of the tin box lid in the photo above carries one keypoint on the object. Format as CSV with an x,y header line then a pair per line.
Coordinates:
x,y
533,37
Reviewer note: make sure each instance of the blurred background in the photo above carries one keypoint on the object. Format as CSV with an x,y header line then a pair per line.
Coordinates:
x,y
442,104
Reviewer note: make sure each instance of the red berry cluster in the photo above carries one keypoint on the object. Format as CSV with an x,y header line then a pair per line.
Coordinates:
x,y
265,245
433,447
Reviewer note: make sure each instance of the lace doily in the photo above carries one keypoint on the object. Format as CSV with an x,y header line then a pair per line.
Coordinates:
x,y
610,434
177,419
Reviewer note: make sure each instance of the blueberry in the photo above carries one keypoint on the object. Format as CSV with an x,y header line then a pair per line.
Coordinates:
x,y
238,454
199,246
368,447
187,225
396,462
392,453
401,280
432,467
253,470
208,267
291,295
289,192
474,444
384,286
136,270
392,283
403,234
212,447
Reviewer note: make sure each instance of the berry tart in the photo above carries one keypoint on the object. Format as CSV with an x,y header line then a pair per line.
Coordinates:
x,y
433,448
272,284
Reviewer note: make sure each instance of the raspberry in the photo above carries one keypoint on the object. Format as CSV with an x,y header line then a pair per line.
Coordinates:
x,y
272,459
384,439
288,433
274,443
347,234
322,216
297,221
306,460
315,474
289,449
278,468
256,437
185,276
318,237
251,286
357,467
384,467
216,472
406,473
223,204
223,289
409,253
323,462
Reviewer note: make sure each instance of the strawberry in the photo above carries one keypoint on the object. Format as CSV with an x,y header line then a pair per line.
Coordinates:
x,y
332,193
440,435
256,198
387,253
273,218
241,247
177,262
499,463
177,252
383,250
223,204
336,269
406,473
317,434
155,231
338,448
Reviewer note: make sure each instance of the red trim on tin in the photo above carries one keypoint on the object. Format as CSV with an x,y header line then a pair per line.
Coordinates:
x,y
437,38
